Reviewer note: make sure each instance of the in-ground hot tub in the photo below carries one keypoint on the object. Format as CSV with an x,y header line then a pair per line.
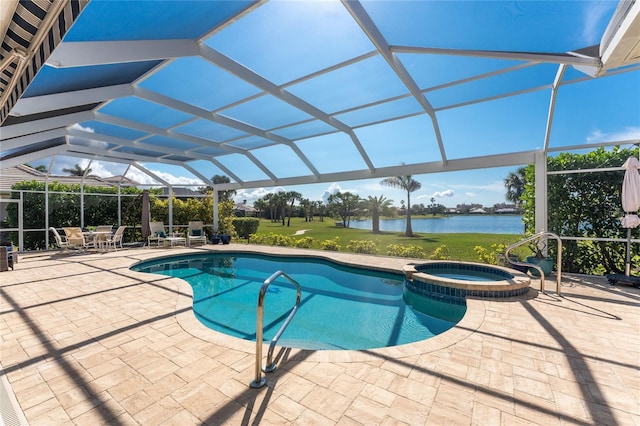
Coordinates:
x,y
454,281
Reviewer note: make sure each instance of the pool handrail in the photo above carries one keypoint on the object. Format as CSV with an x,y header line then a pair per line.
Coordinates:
x,y
259,380
539,236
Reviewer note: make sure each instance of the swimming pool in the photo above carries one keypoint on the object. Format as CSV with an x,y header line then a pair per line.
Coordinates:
x,y
341,307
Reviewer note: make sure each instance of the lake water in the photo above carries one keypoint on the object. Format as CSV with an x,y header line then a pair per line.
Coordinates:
x,y
484,224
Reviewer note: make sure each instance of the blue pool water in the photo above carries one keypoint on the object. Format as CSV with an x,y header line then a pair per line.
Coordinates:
x,y
341,307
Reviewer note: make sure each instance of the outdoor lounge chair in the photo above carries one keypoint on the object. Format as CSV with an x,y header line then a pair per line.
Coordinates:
x,y
158,234
196,233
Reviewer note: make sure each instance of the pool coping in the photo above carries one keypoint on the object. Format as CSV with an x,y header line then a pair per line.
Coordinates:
x,y
470,322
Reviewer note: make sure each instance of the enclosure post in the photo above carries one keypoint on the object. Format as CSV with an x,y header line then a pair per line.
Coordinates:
x,y
215,210
21,222
119,204
46,211
541,192
170,208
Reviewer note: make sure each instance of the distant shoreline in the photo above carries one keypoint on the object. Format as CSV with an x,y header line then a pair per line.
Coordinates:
x,y
444,216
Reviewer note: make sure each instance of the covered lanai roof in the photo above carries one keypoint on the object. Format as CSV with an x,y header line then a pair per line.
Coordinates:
x,y
289,92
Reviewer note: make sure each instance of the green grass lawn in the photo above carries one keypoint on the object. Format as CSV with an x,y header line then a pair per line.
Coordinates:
x,y
460,246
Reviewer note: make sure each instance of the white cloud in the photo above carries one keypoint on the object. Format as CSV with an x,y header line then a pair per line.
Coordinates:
x,y
144,179
628,133
176,180
334,188
252,195
469,194
594,14
78,126
444,194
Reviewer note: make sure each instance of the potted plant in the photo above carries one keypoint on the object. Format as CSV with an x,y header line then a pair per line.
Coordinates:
x,y
539,258
225,238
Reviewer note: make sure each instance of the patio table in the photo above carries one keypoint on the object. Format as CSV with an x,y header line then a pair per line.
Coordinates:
x,y
95,237
175,239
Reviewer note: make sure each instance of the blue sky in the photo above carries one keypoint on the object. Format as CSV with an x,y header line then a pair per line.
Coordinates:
x,y
284,40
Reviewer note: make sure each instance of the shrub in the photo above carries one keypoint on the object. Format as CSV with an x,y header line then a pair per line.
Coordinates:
x,y
400,250
362,246
304,242
245,226
440,253
490,257
273,239
331,245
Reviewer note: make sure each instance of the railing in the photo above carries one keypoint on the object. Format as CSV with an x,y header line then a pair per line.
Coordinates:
x,y
259,380
539,236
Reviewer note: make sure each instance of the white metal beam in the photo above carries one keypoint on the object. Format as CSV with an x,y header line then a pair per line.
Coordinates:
x,y
89,53
38,155
255,79
44,103
226,121
541,57
74,132
44,124
490,161
552,104
32,138
365,22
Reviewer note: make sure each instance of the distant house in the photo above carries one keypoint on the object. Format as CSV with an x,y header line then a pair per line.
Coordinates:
x,y
507,210
181,192
242,210
478,210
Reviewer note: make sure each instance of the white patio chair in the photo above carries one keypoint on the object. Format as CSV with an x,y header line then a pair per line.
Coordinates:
x,y
61,241
196,233
158,234
116,239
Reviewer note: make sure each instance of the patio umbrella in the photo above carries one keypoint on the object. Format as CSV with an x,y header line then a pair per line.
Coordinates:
x,y
146,215
630,203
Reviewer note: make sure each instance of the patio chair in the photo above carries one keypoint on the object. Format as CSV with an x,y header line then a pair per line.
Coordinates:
x,y
61,241
116,239
196,233
75,239
158,234
102,234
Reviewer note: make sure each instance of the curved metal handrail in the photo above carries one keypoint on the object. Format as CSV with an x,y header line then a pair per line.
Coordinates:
x,y
259,380
539,236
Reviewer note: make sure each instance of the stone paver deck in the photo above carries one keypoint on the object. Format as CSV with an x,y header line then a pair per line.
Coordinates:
x,y
87,341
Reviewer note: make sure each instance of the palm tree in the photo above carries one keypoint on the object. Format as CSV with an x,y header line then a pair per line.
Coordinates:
x,y
77,170
41,167
515,183
226,195
279,200
259,205
291,197
376,206
410,185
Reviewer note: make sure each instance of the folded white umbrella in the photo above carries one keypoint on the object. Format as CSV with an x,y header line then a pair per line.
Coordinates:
x,y
630,202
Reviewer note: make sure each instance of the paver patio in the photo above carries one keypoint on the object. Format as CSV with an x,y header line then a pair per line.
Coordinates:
x,y
87,341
